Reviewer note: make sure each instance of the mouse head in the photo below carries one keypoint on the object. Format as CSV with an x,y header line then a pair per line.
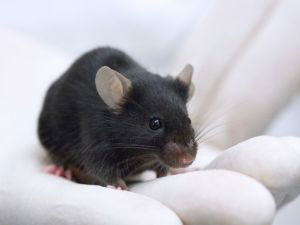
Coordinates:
x,y
149,114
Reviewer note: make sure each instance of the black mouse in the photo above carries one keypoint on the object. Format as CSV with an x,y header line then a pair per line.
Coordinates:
x,y
107,118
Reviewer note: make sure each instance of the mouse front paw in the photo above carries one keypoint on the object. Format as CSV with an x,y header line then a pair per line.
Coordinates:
x,y
119,185
58,171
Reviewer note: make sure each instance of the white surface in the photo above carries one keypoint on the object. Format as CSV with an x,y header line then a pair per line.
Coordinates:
x,y
288,123
213,197
274,162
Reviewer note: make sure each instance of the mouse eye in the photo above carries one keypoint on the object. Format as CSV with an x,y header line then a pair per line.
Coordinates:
x,y
155,123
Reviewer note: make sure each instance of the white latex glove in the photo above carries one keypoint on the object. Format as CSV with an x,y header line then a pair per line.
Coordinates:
x,y
212,197
246,58
275,162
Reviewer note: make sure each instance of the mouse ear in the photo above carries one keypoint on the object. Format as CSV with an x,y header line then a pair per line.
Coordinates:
x,y
185,76
111,86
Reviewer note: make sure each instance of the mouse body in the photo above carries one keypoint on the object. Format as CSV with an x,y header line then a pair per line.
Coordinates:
x,y
107,118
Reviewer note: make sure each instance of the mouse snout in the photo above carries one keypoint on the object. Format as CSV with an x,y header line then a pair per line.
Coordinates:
x,y
177,155
185,160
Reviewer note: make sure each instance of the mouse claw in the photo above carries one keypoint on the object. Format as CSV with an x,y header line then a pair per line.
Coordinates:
x,y
121,184
58,171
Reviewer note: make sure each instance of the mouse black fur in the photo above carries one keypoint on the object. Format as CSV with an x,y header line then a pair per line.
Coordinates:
x,y
110,118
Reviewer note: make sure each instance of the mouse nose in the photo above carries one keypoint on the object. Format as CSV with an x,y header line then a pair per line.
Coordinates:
x,y
186,160
176,155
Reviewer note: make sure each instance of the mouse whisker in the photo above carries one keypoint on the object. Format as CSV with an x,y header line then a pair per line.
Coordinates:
x,y
202,140
131,145
142,161
128,145
139,148
208,130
